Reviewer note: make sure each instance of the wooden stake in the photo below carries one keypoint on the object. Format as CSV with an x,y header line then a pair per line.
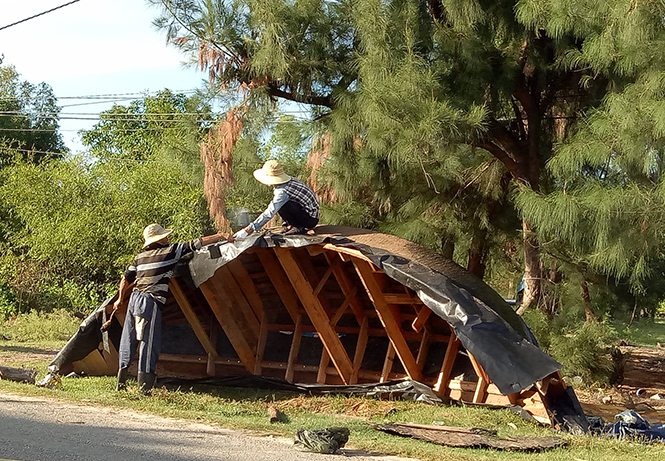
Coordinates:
x,y
388,363
295,348
441,385
361,345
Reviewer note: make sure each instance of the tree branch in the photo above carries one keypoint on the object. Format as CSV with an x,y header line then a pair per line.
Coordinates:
x,y
325,101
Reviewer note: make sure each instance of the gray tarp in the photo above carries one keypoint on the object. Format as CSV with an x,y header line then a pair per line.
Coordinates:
x,y
512,360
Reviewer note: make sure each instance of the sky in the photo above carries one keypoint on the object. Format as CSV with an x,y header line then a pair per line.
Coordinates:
x,y
92,47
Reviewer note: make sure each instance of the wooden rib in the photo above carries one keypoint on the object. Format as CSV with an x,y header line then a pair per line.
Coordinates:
x,y
280,281
422,350
342,308
247,286
346,286
191,317
441,385
387,363
210,366
261,345
224,314
388,320
316,313
421,318
223,274
323,365
399,298
361,345
409,335
325,277
483,380
295,348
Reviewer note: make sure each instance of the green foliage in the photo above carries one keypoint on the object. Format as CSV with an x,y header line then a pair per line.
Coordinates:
x,y
586,351
28,117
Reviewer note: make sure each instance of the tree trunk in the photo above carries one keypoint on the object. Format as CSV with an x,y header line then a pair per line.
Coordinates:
x,y
533,287
477,253
586,298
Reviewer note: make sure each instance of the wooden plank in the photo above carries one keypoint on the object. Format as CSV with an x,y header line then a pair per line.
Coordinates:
x,y
441,385
280,281
223,274
316,313
483,380
343,307
399,298
409,335
388,320
295,349
361,345
323,365
422,350
247,286
210,366
191,317
387,363
346,285
261,345
421,318
224,314
325,277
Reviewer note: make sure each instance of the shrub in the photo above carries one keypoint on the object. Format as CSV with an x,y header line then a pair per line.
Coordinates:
x,y
586,351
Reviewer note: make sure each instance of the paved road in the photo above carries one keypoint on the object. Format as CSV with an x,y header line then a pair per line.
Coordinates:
x,y
34,429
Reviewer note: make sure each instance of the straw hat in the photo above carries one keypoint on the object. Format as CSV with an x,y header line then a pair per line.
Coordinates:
x,y
271,174
154,233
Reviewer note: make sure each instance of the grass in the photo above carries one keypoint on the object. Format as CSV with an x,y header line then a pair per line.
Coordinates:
x,y
644,332
246,409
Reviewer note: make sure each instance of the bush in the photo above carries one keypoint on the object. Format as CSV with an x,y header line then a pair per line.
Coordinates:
x,y
59,325
586,351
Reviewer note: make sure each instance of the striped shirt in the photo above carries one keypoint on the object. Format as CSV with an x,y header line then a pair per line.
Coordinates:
x,y
152,269
294,190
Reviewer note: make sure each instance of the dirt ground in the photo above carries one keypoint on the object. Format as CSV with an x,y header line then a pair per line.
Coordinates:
x,y
642,388
642,384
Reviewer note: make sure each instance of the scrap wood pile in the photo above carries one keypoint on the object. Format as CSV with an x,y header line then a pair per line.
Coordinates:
x,y
344,307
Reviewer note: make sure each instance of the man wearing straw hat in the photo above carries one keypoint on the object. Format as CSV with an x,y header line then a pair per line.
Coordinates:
x,y
293,200
150,273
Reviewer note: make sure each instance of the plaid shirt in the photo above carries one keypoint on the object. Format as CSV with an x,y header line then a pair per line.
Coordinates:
x,y
294,190
153,268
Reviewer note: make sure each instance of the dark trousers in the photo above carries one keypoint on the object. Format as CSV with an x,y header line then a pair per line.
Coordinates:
x,y
295,215
141,305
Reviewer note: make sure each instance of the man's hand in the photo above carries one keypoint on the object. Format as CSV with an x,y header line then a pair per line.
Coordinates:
x,y
243,233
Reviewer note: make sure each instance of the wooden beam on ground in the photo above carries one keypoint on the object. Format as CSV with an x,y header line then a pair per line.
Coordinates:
x,y
388,363
316,313
261,345
247,286
361,345
191,317
238,336
295,348
441,385
280,281
387,319
347,287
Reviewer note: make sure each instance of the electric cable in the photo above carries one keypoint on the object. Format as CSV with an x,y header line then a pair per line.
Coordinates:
x,y
38,15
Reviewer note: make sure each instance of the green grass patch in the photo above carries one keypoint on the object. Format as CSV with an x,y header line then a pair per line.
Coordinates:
x,y
644,332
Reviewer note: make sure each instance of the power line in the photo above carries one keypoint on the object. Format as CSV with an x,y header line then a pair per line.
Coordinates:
x,y
37,15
